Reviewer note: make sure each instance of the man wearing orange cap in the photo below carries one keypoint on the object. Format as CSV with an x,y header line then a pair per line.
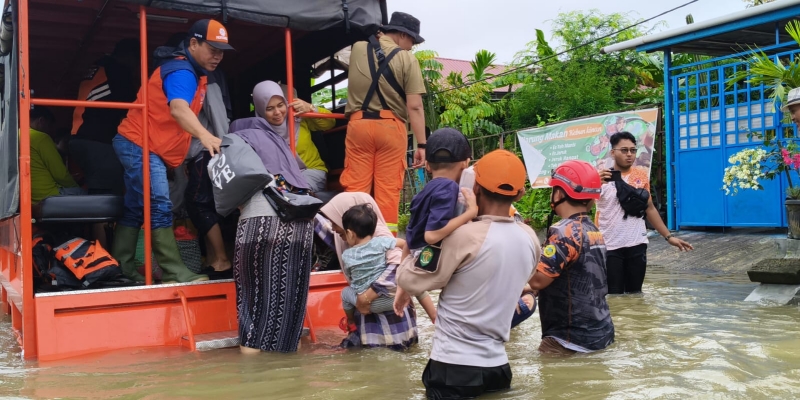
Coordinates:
x,y
489,258
176,92
571,274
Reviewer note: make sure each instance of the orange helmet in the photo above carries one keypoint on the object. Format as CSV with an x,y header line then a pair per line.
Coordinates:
x,y
578,179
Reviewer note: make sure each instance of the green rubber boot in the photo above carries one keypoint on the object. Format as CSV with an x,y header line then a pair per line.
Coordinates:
x,y
124,250
165,249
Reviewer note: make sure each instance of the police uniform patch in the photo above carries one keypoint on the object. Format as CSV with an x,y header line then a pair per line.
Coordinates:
x,y
549,250
426,256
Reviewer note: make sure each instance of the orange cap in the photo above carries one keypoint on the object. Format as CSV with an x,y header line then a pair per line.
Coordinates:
x,y
501,172
211,31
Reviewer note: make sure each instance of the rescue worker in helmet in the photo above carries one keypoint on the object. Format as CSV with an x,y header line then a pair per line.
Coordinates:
x,y
571,274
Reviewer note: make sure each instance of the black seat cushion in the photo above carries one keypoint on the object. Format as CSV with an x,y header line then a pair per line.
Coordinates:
x,y
86,208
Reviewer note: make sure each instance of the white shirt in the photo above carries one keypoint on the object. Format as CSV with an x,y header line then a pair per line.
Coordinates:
x,y
617,231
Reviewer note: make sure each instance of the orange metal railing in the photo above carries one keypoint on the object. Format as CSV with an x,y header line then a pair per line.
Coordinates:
x,y
148,263
29,347
25,127
25,103
290,93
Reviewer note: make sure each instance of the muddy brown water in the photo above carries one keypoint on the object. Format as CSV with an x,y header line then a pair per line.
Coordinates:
x,y
689,336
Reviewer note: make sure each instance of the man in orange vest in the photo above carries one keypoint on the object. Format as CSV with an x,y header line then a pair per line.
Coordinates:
x,y
384,90
176,92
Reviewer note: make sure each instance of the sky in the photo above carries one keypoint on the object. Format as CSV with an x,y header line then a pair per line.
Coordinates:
x,y
459,28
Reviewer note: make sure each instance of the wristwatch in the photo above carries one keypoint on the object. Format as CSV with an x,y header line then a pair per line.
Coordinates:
x,y
420,145
668,237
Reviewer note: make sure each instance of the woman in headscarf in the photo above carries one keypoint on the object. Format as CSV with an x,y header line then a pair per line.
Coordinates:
x,y
376,329
275,111
272,258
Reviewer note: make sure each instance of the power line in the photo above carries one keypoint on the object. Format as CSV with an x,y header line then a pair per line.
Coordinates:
x,y
539,61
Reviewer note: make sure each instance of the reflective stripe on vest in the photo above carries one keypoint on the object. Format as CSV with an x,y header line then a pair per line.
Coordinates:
x,y
93,88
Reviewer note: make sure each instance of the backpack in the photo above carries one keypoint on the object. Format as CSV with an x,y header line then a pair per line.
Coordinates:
x,y
49,274
87,261
634,201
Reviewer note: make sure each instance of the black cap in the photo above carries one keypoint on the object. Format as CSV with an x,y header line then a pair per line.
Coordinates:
x,y
450,140
212,32
405,23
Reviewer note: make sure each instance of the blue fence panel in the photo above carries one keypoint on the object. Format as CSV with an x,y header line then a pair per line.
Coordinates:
x,y
711,122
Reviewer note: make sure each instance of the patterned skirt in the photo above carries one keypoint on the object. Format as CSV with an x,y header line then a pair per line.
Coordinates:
x,y
271,268
385,329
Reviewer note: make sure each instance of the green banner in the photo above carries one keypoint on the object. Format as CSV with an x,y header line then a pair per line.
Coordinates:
x,y
586,139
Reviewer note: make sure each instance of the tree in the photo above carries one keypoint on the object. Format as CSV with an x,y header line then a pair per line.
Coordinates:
x,y
582,81
483,61
432,76
777,75
468,105
464,103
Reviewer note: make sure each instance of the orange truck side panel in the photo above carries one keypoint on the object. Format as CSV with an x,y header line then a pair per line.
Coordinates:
x,y
79,323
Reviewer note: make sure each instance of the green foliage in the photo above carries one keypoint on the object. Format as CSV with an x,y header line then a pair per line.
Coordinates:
x,y
576,28
402,222
584,81
482,62
323,98
574,90
777,75
432,76
534,207
471,108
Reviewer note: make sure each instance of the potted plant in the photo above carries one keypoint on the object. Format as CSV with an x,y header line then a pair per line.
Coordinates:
x,y
751,165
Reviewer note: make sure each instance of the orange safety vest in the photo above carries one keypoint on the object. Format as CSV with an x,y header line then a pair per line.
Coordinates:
x,y
93,88
167,139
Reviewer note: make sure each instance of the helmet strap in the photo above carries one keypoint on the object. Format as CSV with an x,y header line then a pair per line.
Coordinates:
x,y
553,205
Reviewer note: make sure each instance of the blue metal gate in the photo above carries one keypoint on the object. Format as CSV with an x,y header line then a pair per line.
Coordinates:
x,y
710,123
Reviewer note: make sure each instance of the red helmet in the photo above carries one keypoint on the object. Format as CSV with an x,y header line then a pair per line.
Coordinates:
x,y
578,179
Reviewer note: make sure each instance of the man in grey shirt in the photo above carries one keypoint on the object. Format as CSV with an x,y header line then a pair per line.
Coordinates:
x,y
481,270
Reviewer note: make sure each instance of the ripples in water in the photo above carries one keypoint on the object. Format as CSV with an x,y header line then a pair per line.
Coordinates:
x,y
689,335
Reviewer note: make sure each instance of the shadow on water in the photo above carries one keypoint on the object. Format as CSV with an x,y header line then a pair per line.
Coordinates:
x,y
689,336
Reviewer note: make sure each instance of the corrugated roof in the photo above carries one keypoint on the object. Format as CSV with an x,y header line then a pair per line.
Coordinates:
x,y
464,68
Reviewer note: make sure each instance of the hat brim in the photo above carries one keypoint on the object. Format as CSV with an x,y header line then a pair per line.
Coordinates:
x,y
785,107
415,36
220,46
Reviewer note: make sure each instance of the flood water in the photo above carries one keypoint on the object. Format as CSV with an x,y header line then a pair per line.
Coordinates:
x,y
689,336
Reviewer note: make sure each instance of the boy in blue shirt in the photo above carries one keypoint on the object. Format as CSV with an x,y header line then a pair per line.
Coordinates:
x,y
433,209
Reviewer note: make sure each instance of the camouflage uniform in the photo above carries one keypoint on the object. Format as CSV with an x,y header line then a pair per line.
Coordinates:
x,y
573,307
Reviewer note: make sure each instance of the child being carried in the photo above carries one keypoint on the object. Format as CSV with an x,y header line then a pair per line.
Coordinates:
x,y
365,261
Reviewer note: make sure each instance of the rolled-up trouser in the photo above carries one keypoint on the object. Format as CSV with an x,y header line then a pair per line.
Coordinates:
x,y
375,161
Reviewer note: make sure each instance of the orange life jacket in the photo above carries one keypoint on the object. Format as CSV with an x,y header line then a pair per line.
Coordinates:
x,y
83,257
